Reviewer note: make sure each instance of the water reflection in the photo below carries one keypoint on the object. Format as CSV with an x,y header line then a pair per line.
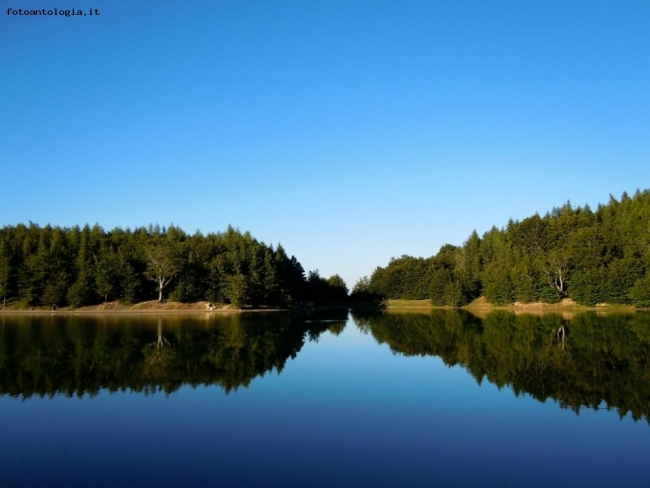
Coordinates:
x,y
76,355
346,412
586,361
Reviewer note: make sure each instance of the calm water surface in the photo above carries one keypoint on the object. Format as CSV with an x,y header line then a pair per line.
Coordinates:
x,y
441,399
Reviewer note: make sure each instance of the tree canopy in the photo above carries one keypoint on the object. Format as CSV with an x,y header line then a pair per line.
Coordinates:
x,y
592,257
85,266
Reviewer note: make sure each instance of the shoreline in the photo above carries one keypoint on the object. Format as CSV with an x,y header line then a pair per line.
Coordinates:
x,y
480,305
150,308
141,312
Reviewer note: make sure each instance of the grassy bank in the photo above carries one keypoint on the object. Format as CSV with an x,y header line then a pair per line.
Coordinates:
x,y
152,306
481,305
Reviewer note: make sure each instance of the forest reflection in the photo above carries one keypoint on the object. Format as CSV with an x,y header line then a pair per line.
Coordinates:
x,y
75,356
581,361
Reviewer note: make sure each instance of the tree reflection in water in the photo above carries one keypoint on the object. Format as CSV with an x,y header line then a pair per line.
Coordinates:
x,y
82,355
585,361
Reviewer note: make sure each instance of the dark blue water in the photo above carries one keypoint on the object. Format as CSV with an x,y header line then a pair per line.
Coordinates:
x,y
347,410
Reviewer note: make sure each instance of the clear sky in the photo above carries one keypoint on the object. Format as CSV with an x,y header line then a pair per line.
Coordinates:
x,y
349,131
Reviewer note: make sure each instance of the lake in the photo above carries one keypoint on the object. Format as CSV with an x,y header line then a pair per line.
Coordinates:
x,y
325,399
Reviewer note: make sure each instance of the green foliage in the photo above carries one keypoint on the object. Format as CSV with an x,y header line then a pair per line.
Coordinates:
x,y
591,257
524,282
439,281
404,277
55,292
129,283
237,290
85,266
338,290
361,292
106,274
640,292
586,285
453,294
82,292
178,294
320,290
497,287
163,264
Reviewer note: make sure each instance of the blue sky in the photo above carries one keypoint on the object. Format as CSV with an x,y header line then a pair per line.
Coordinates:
x,y
349,131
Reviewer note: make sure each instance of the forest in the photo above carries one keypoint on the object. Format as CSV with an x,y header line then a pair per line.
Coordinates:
x,y
591,257
45,266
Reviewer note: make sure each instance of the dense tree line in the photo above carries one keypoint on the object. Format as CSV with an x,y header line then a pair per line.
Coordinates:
x,y
592,257
85,266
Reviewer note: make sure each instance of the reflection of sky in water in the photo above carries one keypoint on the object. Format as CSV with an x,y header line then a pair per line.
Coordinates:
x,y
345,411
